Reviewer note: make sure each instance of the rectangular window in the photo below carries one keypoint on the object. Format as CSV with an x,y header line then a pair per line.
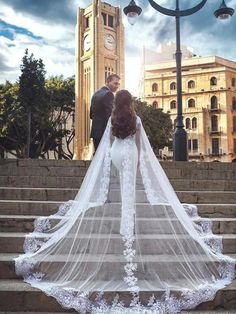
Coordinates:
x,y
215,146
234,124
234,103
106,74
234,145
104,18
195,144
110,21
189,144
87,22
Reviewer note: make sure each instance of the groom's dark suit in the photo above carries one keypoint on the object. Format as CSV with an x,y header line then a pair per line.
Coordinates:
x,y
100,111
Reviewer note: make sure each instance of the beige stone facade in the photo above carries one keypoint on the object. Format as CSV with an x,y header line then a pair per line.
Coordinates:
x,y
209,103
99,52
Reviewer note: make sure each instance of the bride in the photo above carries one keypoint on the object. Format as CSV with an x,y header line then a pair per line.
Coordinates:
x,y
125,244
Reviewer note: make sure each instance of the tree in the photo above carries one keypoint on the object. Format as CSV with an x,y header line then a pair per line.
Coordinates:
x,y
156,123
12,119
61,100
32,96
52,113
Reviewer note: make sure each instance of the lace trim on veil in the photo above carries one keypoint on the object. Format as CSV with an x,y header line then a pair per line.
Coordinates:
x,y
168,303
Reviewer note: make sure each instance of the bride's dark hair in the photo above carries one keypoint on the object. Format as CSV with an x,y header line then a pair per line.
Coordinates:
x,y
123,117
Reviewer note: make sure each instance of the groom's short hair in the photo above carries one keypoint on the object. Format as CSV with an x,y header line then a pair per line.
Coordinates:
x,y
112,77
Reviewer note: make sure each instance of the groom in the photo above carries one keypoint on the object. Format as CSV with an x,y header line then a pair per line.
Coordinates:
x,y
101,108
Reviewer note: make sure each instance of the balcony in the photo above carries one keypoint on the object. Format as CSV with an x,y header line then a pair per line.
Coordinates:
x,y
215,152
193,152
214,109
215,131
214,87
191,109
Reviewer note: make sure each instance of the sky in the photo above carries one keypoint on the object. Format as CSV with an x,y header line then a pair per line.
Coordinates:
x,y
47,29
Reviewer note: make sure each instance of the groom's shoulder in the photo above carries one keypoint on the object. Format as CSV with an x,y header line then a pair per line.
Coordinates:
x,y
103,91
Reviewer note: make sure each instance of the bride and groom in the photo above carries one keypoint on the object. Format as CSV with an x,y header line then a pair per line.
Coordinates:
x,y
125,244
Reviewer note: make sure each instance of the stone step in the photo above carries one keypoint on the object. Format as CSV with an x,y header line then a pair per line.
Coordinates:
x,y
71,311
10,163
44,171
16,295
152,225
78,171
12,242
206,185
41,194
75,182
46,208
190,197
57,194
182,312
110,262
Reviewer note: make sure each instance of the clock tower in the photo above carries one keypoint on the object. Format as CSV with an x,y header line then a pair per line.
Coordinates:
x,y
99,53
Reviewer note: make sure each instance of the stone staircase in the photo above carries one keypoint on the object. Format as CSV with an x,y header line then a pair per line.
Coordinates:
x,y
32,188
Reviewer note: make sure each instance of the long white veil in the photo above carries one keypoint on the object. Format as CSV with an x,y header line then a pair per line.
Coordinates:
x,y
166,257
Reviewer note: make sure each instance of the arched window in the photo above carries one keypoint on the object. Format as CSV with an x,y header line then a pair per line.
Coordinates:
x,y
234,103
188,123
214,123
233,82
214,102
155,104
191,103
191,84
194,123
154,87
173,86
213,81
173,104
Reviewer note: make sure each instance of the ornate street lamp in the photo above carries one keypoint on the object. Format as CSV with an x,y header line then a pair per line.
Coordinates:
x,y
132,11
224,12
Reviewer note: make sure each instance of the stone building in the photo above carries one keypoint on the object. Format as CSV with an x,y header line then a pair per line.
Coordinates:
x,y
99,52
209,100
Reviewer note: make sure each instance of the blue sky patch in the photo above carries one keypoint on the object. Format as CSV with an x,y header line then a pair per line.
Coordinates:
x,y
9,31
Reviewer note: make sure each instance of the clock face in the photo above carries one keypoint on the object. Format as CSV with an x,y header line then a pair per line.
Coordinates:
x,y
87,42
110,42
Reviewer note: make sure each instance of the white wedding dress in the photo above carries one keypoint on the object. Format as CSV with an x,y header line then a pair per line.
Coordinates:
x,y
124,156
126,239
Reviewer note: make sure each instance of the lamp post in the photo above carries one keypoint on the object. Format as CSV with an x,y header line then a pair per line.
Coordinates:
x,y
180,150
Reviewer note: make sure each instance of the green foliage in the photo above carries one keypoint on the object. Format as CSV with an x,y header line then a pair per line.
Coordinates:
x,y
10,110
156,123
61,101
50,105
32,97
32,93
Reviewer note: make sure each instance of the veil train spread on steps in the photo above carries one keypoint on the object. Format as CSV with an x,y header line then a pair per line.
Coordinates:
x,y
125,244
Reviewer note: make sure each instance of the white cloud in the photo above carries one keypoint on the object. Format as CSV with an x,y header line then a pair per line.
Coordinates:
x,y
39,27
55,38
